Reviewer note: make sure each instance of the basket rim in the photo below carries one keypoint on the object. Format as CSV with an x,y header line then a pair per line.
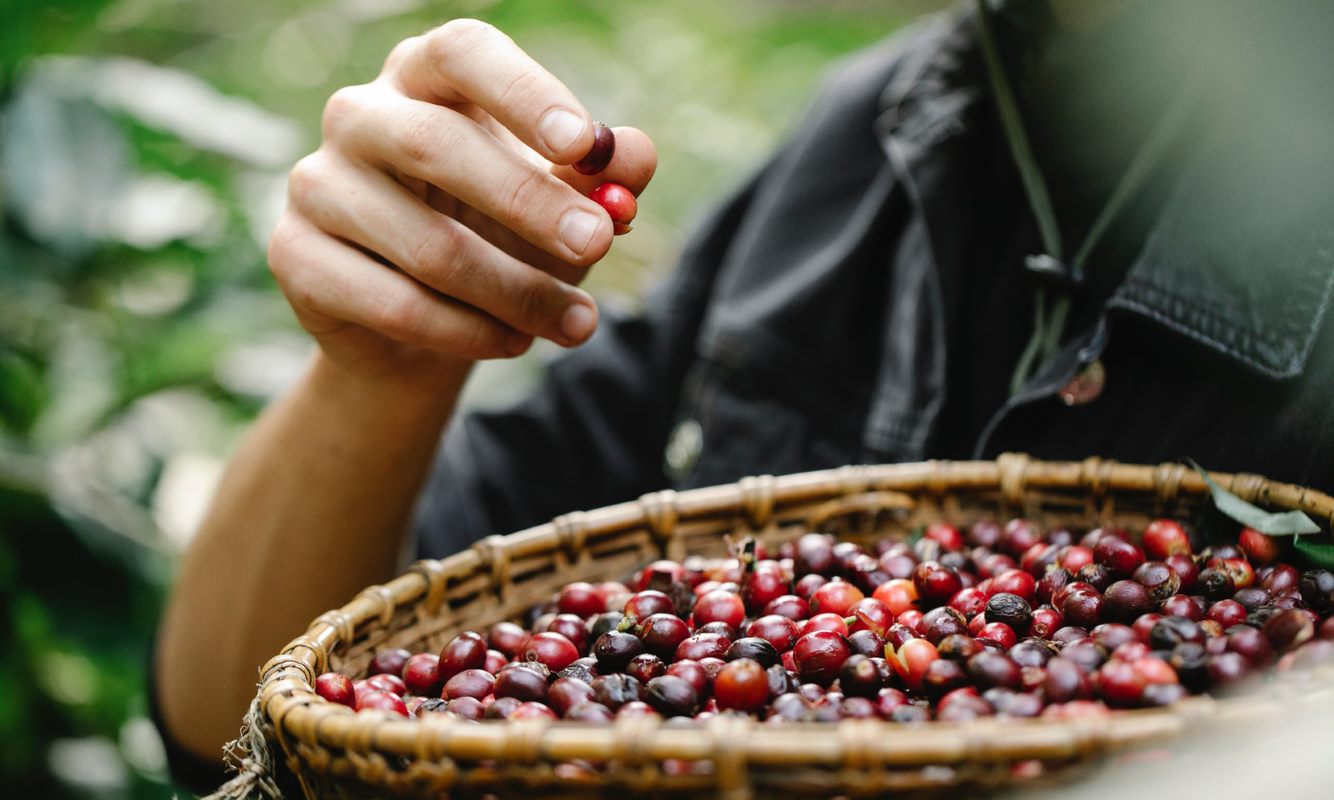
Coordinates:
x,y
287,699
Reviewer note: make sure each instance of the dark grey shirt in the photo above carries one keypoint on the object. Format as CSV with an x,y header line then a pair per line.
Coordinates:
x,y
863,299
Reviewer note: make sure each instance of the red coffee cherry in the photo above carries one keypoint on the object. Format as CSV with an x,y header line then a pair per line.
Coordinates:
x,y
619,202
336,688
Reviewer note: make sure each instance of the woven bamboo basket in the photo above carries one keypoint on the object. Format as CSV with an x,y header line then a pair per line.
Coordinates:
x,y
329,751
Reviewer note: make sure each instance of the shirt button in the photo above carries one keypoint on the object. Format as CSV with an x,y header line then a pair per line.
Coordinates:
x,y
683,448
1085,387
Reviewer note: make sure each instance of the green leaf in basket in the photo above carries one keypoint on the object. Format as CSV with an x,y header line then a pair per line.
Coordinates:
x,y
1286,523
1316,554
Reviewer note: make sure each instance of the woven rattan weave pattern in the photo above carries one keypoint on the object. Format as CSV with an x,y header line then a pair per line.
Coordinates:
x,y
335,752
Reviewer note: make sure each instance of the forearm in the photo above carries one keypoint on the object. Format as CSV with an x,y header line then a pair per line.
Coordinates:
x,y
312,508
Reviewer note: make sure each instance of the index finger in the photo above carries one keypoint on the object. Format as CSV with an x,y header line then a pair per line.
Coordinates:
x,y
469,61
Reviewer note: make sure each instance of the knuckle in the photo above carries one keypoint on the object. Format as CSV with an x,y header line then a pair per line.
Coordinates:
x,y
535,304
479,340
421,137
398,317
457,38
522,88
438,254
305,181
517,197
341,107
401,53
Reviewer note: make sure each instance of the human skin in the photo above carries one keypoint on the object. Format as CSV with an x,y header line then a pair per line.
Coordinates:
x,y
439,223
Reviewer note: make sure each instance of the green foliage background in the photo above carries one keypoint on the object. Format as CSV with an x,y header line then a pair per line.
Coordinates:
x,y
139,329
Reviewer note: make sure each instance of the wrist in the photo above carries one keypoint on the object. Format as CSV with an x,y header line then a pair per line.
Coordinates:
x,y
410,395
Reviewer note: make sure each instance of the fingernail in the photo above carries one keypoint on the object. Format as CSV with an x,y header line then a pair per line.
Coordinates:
x,y
559,128
578,322
577,229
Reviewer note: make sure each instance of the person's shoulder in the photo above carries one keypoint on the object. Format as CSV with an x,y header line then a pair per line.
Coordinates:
x,y
859,86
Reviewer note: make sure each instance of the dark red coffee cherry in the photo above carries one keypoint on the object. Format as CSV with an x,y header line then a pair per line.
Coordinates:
x,y
615,649
671,696
599,156
818,656
389,661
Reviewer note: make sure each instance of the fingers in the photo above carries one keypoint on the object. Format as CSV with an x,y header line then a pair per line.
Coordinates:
x,y
467,60
325,278
374,211
444,148
632,165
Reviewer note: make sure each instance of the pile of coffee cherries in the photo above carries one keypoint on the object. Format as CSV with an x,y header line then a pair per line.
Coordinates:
x,y
1004,620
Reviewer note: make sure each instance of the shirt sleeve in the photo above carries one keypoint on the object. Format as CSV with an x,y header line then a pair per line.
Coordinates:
x,y
593,431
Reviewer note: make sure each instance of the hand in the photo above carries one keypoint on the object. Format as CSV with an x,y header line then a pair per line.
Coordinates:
x,y
439,222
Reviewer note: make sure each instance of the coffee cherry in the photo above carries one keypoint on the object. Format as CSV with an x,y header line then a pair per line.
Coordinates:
x,y
1018,535
910,661
1118,555
1010,609
1165,537
701,646
1083,608
580,599
1180,605
860,677
671,696
645,667
970,602
522,683
1186,569
1227,670
1017,582
1317,589
958,647
1281,578
941,622
719,606
551,650
1259,549
947,536
389,661
1161,580
818,656
615,649
619,202
663,633
741,685
336,688
790,606
421,674
762,587
1215,583
753,648
823,622
778,631
1227,613
1171,631
935,583
941,677
1000,633
1046,621
572,628
566,693
898,595
388,683
381,701
836,597
1126,601
645,604
614,691
988,669
599,156
1289,629
1121,684
872,615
